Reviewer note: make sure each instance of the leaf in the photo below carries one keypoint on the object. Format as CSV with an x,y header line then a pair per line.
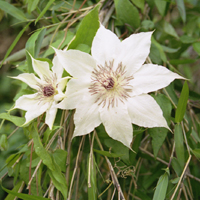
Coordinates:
x,y
108,154
24,196
58,179
18,121
159,134
139,4
12,10
15,189
159,47
60,157
196,152
161,6
3,142
181,9
40,150
127,13
169,29
92,185
176,166
161,188
33,46
32,5
87,29
14,43
44,10
182,103
117,147
196,47
179,144
187,39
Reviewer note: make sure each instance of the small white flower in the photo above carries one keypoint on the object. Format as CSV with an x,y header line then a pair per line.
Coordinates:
x,y
111,86
49,86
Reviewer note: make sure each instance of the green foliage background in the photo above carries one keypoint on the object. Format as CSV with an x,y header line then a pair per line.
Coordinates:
x,y
36,163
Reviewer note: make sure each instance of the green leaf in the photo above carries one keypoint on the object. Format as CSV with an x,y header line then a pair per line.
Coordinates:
x,y
15,189
179,144
108,154
117,147
196,152
127,13
38,42
33,46
169,29
18,121
86,30
58,179
92,185
160,49
24,196
3,142
14,43
159,134
44,10
12,10
32,5
161,188
182,103
196,47
181,9
60,157
139,4
161,6
40,150
176,166
187,39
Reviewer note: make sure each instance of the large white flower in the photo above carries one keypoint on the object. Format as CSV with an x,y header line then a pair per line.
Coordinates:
x,y
49,87
111,86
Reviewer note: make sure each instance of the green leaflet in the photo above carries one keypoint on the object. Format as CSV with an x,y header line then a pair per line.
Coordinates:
x,y
92,185
44,10
161,187
12,10
14,43
33,46
18,121
127,13
86,31
159,134
24,196
179,144
181,9
182,103
54,169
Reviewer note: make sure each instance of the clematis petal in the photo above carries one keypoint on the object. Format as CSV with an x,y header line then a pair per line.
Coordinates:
x,y
51,115
62,82
117,123
151,78
144,111
104,46
41,68
86,117
134,50
76,63
31,104
75,92
57,67
29,79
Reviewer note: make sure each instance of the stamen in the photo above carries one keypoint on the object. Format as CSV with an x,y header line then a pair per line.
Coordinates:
x,y
110,85
48,91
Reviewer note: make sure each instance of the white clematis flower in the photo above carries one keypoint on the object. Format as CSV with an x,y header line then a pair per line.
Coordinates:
x,y
49,86
111,86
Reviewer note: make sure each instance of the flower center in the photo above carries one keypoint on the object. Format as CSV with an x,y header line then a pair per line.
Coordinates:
x,y
109,85
48,90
